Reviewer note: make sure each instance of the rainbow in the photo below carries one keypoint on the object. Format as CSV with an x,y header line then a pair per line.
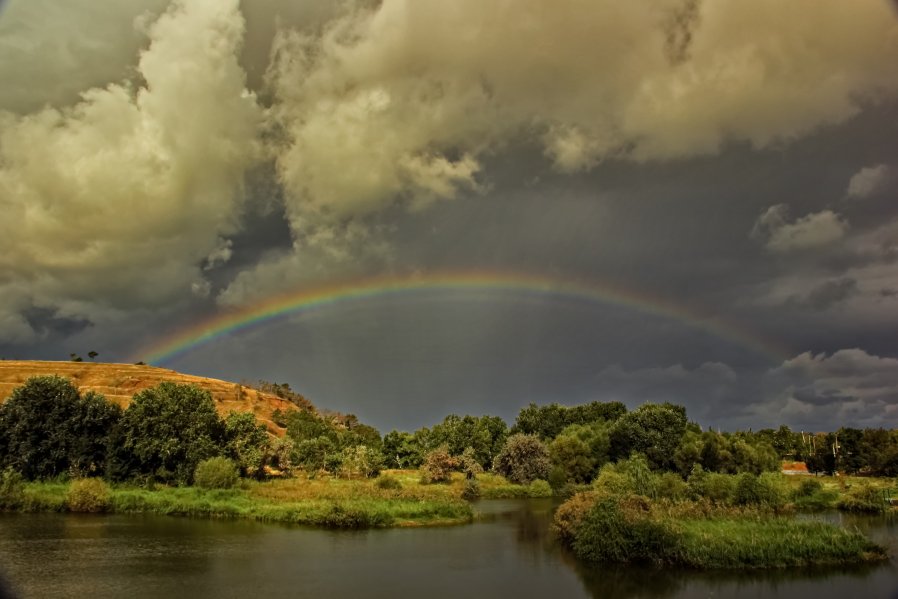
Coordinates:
x,y
518,285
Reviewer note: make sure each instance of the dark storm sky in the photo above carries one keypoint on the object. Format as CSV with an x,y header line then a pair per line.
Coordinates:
x,y
162,162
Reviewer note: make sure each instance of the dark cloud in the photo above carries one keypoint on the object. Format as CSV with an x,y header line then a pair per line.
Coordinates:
x,y
631,145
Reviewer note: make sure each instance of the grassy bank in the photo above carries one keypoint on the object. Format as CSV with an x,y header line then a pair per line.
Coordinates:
x,y
628,528
324,502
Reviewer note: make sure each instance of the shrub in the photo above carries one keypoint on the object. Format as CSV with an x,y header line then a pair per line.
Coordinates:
x,y
539,488
12,489
216,473
622,530
557,478
469,464
471,490
672,486
360,461
772,490
611,481
642,480
523,459
807,488
863,498
88,495
748,491
388,482
571,514
438,466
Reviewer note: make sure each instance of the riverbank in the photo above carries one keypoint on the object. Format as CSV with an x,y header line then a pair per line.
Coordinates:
x,y
604,528
395,499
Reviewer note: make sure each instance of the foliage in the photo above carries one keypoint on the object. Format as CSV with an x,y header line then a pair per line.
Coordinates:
x,y
12,487
471,490
170,429
627,528
438,466
319,453
863,498
468,464
523,459
580,449
48,429
88,495
654,430
216,473
401,451
388,483
548,421
360,461
621,530
247,443
539,488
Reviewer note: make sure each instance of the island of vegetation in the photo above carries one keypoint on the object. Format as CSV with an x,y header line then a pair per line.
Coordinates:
x,y
637,486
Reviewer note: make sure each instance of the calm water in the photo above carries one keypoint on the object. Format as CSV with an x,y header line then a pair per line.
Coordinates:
x,y
510,555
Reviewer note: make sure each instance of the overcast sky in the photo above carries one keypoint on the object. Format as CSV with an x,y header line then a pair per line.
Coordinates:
x,y
162,162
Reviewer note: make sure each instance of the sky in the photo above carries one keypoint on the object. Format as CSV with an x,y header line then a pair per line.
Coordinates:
x,y
501,202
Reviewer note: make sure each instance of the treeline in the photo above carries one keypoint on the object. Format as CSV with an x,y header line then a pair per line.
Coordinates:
x,y
48,429
554,443
869,451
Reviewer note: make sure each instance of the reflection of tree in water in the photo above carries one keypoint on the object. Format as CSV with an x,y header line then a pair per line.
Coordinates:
x,y
625,582
644,582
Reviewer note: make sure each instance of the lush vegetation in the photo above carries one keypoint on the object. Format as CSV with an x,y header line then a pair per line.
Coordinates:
x,y
170,452
712,520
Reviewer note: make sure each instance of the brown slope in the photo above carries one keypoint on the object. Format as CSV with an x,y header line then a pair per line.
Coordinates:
x,y
119,382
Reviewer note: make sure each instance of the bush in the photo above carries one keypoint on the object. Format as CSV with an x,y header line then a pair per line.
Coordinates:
x,y
12,489
557,478
523,459
88,495
216,473
389,483
469,464
863,498
539,488
808,488
772,490
471,490
622,530
671,486
571,514
438,466
748,491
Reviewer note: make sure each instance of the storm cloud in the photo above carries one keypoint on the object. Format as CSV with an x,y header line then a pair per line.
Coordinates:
x,y
164,160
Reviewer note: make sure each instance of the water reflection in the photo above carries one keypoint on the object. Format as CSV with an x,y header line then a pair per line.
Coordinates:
x,y
509,553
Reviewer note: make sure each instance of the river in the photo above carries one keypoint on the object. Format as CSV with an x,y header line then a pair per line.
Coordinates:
x,y
509,554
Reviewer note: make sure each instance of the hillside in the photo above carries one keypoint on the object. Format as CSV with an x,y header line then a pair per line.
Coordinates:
x,y
119,382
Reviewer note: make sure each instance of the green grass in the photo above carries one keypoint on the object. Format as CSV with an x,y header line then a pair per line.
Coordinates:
x,y
326,503
774,542
601,527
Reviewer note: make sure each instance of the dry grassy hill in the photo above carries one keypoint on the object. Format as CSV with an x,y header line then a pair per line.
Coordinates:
x,y
118,382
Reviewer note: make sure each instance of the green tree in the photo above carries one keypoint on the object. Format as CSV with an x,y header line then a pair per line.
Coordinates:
x,y
654,430
523,459
47,429
171,428
401,451
247,443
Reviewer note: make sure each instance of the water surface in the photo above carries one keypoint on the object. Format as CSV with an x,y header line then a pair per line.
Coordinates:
x,y
508,555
